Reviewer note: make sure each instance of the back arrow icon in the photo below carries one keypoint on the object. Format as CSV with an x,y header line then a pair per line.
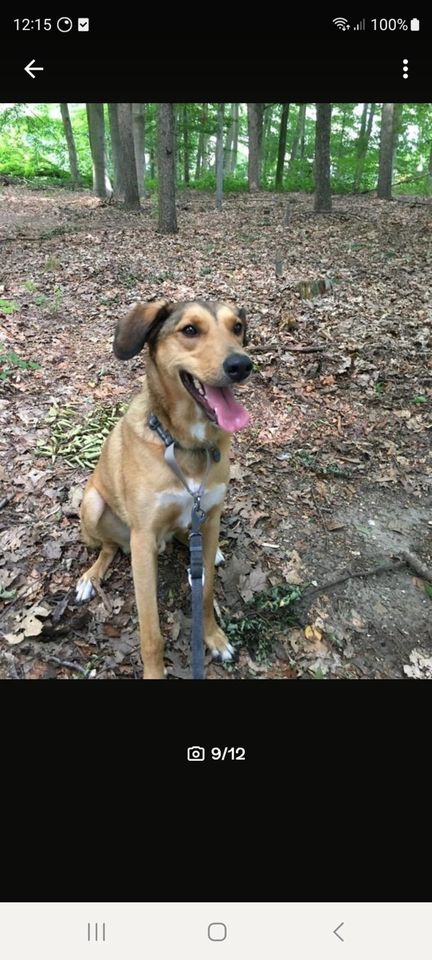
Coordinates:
x,y
29,69
338,934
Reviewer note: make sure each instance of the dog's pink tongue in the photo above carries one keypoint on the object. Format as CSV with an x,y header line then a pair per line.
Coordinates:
x,y
230,414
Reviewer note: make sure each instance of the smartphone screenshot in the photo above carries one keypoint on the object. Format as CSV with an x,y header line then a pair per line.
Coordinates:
x,y
215,465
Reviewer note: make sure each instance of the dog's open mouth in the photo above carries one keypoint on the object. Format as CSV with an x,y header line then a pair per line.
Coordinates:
x,y
218,403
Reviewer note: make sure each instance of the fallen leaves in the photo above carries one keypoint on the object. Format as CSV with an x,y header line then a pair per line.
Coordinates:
x,y
28,625
342,380
420,667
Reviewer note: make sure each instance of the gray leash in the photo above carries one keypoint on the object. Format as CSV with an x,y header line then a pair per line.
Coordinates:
x,y
196,573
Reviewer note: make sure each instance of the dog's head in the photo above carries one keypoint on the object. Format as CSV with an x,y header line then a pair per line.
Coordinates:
x,y
198,344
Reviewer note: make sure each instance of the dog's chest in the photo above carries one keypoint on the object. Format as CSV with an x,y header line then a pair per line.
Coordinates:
x,y
181,502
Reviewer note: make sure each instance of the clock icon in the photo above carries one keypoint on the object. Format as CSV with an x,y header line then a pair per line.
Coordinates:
x,y
64,24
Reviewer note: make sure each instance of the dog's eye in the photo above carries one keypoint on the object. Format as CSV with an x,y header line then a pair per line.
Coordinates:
x,y
190,330
238,329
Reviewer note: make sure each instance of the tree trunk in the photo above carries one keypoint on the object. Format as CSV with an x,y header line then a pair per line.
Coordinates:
x,y
186,145
298,135
359,147
430,172
282,146
342,133
219,156
362,145
397,126
384,188
255,123
95,118
322,202
138,126
127,156
73,162
229,142
302,133
266,144
152,163
234,152
200,152
167,170
115,148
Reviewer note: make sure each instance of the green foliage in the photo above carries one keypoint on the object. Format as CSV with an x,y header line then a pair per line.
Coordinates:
x,y
265,612
10,362
8,306
33,147
79,444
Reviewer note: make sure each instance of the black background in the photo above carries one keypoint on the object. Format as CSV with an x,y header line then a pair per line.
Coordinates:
x,y
199,56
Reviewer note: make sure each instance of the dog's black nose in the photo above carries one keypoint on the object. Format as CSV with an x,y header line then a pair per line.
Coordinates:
x,y
237,366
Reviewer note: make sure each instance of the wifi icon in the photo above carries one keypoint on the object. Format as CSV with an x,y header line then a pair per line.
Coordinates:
x,y
342,23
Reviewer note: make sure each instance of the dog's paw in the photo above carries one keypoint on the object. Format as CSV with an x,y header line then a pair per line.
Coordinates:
x,y
84,590
219,558
218,644
224,655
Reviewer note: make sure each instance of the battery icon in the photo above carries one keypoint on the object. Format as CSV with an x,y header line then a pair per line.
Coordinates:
x,y
415,24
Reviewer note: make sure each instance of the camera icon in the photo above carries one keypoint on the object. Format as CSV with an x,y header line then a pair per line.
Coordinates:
x,y
195,753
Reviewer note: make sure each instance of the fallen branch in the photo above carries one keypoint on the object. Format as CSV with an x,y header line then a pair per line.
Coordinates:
x,y
417,565
68,664
5,501
276,348
408,559
382,568
304,349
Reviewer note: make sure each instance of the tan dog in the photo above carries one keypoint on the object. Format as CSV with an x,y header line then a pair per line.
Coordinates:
x,y
133,499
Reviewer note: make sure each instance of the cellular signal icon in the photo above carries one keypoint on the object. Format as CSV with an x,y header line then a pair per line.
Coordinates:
x,y
361,25
341,23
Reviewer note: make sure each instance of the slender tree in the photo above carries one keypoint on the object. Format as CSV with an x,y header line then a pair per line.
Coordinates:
x,y
219,156
70,140
266,146
384,188
345,110
127,156
186,173
397,127
255,125
322,202
234,150
115,148
363,143
201,142
230,153
167,171
282,146
138,126
95,117
298,134
430,172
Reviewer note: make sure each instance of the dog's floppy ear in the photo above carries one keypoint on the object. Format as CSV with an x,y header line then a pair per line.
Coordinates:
x,y
242,315
133,331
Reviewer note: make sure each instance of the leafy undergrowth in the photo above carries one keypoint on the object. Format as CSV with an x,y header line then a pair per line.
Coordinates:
x,y
78,443
333,475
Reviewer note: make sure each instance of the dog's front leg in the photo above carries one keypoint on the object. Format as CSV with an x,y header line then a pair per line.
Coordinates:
x,y
213,635
144,569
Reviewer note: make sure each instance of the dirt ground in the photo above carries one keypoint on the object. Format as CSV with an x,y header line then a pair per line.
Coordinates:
x,y
331,481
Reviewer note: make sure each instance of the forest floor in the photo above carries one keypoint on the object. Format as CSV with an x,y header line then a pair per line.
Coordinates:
x,y
332,480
